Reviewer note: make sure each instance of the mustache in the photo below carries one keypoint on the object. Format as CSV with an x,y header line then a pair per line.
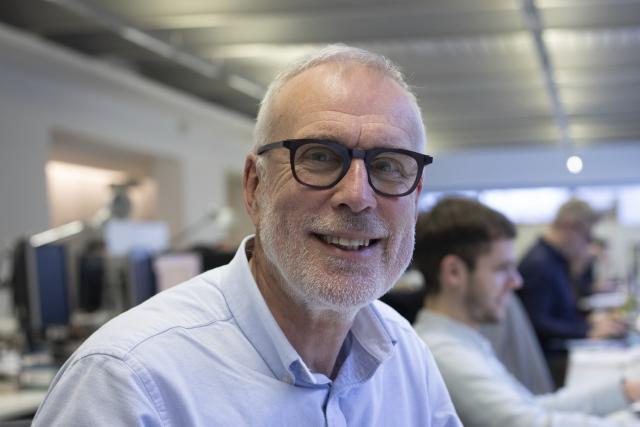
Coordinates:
x,y
346,221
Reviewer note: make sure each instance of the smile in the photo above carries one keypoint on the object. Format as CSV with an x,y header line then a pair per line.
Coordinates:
x,y
347,244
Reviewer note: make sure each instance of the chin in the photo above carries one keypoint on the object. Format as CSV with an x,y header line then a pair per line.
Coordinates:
x,y
495,317
499,317
341,293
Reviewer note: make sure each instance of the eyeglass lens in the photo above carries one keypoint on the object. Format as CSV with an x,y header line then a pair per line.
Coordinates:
x,y
323,165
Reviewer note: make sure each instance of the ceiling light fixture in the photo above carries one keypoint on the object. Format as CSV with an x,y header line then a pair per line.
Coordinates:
x,y
574,164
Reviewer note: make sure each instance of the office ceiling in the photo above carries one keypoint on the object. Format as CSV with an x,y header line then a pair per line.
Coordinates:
x,y
487,73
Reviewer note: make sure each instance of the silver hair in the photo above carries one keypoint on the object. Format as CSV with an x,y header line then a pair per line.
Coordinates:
x,y
335,53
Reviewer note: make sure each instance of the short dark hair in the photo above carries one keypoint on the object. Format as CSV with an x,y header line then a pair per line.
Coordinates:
x,y
457,226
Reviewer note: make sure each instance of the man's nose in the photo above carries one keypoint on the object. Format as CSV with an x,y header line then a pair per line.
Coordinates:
x,y
516,279
354,190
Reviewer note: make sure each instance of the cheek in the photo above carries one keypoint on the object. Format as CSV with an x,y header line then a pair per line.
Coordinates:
x,y
492,287
279,190
503,279
403,229
401,216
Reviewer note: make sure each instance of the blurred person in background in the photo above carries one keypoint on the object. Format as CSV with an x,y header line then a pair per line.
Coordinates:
x,y
465,251
549,293
591,271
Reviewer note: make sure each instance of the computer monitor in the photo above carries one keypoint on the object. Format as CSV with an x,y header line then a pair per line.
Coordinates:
x,y
40,288
49,299
123,236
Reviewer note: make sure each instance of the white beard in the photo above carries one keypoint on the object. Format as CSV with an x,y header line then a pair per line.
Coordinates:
x,y
333,282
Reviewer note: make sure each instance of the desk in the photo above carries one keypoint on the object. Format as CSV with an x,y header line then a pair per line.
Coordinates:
x,y
21,403
590,361
603,301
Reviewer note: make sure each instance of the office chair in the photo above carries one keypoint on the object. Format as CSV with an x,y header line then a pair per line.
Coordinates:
x,y
516,345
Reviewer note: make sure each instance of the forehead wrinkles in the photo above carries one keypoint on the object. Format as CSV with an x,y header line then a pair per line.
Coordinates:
x,y
371,130
328,121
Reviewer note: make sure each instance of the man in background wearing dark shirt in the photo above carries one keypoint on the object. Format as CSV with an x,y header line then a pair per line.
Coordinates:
x,y
547,292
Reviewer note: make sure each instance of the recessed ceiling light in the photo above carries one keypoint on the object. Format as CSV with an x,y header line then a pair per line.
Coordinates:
x,y
574,164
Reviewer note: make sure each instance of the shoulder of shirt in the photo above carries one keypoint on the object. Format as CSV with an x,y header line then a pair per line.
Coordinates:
x,y
401,331
195,303
392,317
444,341
539,252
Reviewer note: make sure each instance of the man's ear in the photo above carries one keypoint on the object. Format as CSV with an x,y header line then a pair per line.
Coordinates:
x,y
453,271
250,187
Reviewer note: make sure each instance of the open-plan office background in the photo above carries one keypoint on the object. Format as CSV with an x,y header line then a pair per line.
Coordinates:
x,y
151,104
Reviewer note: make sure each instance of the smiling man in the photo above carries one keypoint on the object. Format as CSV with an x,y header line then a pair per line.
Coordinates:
x,y
465,251
289,333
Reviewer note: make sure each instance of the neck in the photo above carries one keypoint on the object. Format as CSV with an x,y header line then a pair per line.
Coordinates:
x,y
451,308
317,334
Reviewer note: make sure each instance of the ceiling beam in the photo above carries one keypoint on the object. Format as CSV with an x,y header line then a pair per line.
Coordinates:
x,y
210,69
534,24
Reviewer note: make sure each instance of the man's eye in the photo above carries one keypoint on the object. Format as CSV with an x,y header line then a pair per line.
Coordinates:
x,y
387,166
318,155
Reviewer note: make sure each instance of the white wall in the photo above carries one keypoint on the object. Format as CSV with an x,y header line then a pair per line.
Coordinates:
x,y
45,89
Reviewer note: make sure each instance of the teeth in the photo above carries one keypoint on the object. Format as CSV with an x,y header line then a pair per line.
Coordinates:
x,y
346,243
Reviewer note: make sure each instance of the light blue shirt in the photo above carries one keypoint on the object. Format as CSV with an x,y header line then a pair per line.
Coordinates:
x,y
208,352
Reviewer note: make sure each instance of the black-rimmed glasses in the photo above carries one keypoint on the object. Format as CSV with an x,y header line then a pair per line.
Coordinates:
x,y
322,163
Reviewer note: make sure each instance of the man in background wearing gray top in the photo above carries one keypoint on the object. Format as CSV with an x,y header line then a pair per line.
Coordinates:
x,y
465,252
288,333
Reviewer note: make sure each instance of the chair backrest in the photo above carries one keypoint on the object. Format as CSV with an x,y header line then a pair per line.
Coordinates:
x,y
517,347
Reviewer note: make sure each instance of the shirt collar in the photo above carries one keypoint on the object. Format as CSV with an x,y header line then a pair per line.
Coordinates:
x,y
373,341
372,344
254,318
